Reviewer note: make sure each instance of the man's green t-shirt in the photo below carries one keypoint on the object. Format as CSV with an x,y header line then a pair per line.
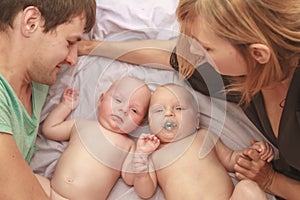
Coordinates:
x,y
15,120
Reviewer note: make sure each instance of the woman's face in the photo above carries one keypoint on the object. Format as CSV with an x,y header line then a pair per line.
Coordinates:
x,y
226,59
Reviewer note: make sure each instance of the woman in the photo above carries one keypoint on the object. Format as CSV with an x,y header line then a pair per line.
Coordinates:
x,y
256,45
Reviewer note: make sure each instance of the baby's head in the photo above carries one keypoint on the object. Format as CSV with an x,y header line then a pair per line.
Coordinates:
x,y
173,113
123,107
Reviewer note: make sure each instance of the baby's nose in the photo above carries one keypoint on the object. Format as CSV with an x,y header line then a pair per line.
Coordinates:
x,y
169,112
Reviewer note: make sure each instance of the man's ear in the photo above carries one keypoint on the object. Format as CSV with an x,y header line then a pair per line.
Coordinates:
x,y
260,52
31,20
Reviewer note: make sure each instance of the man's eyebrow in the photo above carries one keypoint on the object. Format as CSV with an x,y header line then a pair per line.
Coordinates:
x,y
75,38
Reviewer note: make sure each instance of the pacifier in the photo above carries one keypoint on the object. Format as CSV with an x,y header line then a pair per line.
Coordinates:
x,y
169,125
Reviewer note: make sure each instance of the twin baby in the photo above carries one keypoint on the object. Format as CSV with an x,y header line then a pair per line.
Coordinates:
x,y
99,152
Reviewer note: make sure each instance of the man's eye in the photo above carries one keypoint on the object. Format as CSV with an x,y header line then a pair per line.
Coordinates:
x,y
70,43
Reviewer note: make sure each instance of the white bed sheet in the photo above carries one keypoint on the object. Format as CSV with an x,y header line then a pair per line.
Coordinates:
x,y
132,19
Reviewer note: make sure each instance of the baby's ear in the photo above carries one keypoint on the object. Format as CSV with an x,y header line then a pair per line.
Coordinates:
x,y
100,99
198,121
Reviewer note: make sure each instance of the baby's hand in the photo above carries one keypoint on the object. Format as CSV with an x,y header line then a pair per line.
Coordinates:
x,y
264,149
147,143
70,98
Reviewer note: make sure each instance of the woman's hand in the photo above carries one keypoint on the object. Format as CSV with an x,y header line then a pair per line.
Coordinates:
x,y
251,166
264,149
85,47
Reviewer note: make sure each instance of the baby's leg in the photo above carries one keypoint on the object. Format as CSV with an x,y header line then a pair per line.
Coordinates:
x,y
45,183
248,190
56,196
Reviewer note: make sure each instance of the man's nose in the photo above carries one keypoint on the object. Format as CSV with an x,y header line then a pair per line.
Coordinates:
x,y
72,57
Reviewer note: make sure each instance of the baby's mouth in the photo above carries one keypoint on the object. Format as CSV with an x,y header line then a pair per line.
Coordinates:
x,y
117,118
169,125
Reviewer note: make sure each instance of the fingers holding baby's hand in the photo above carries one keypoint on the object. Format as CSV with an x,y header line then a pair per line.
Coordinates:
x,y
264,149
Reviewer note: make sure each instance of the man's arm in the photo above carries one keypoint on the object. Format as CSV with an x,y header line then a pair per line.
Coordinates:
x,y
17,181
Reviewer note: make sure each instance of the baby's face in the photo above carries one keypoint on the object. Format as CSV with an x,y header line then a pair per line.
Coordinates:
x,y
124,106
172,114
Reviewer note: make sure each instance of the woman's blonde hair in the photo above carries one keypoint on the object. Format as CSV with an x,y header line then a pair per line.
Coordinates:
x,y
274,23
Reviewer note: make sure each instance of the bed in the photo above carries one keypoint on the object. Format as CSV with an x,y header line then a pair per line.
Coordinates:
x,y
131,20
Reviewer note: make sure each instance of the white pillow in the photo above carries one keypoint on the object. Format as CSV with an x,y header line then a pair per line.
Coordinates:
x,y
147,19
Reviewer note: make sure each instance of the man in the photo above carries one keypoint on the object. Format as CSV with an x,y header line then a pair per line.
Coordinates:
x,y
36,39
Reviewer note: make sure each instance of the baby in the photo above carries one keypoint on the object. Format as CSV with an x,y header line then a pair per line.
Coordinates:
x,y
170,157
91,163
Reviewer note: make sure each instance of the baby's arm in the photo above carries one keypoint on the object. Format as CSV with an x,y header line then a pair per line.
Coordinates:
x,y
145,181
55,127
227,156
264,149
127,171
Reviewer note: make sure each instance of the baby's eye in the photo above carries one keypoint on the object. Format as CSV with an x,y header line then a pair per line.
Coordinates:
x,y
159,110
134,110
179,108
117,100
156,109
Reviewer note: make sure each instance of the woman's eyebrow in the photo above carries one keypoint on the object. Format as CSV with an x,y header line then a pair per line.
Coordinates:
x,y
202,43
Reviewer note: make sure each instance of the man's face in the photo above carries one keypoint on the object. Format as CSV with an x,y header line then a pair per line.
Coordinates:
x,y
54,49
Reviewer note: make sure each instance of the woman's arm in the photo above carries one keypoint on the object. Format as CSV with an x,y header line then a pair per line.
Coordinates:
x,y
152,53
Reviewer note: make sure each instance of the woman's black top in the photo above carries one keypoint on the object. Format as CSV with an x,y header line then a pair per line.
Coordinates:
x,y
207,81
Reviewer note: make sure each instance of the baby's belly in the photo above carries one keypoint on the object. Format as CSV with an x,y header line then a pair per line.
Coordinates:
x,y
204,179
79,176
